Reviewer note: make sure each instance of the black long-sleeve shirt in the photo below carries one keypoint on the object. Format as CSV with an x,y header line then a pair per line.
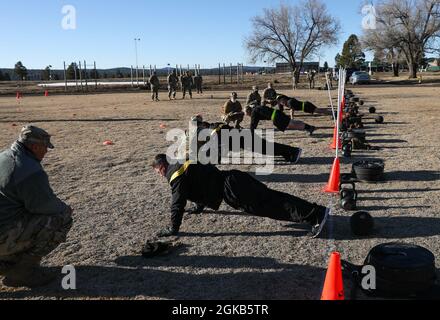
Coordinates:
x,y
280,119
201,184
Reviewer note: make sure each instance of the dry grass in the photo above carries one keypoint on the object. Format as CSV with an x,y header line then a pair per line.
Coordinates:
x,y
119,202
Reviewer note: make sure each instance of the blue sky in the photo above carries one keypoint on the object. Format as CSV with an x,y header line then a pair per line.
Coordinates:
x,y
178,32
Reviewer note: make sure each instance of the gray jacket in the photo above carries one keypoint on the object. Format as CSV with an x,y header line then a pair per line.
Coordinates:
x,y
24,187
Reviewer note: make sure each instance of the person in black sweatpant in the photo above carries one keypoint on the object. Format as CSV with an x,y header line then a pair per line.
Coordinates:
x,y
207,186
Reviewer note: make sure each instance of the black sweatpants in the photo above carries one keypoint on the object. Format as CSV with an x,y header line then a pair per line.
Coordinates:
x,y
243,192
279,149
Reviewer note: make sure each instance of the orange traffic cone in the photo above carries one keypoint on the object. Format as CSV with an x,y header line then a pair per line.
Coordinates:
x,y
336,140
334,286
335,178
18,95
342,109
46,93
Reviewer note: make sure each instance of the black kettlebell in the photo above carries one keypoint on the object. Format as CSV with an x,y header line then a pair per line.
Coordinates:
x,y
362,224
372,110
349,197
379,119
347,148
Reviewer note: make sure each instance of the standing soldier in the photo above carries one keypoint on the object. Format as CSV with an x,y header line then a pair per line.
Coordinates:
x,y
187,83
198,81
269,95
33,220
172,80
254,97
311,78
155,84
233,111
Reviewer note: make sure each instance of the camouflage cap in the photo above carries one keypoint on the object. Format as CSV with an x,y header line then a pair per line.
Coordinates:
x,y
32,134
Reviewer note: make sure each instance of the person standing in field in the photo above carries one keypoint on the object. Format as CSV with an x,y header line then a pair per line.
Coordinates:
x,y
173,81
187,83
155,85
198,81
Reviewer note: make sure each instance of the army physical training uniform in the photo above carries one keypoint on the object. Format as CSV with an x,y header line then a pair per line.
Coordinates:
x,y
173,81
303,106
233,112
33,220
198,81
209,187
287,152
155,85
280,120
187,83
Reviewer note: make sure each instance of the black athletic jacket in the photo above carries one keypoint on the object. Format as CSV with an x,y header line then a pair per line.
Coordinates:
x,y
201,184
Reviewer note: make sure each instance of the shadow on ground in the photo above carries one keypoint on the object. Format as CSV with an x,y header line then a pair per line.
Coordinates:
x,y
136,278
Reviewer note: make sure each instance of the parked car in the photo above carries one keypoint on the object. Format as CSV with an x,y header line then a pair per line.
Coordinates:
x,y
360,77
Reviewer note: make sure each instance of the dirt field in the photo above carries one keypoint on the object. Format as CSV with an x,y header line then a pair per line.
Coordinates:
x,y
119,202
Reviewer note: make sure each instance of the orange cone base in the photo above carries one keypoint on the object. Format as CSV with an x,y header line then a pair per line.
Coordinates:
x,y
335,178
334,286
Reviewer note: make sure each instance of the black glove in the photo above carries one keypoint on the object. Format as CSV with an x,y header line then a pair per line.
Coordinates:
x,y
196,209
168,232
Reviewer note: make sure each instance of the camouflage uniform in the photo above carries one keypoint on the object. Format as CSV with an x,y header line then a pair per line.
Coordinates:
x,y
33,220
233,112
198,81
269,96
311,78
254,98
173,81
155,84
187,83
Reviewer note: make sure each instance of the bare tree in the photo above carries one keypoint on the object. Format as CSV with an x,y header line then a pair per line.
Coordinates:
x,y
405,27
292,34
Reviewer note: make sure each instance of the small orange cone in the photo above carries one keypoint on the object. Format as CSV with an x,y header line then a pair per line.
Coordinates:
x,y
162,126
18,95
336,136
334,286
46,93
108,143
335,178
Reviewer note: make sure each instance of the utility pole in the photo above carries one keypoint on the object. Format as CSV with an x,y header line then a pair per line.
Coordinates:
x,y
137,63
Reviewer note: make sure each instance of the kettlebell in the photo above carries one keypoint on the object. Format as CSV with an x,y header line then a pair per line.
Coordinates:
x,y
347,148
372,110
379,119
349,197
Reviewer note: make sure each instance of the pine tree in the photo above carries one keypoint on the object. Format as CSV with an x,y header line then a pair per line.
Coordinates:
x,y
352,56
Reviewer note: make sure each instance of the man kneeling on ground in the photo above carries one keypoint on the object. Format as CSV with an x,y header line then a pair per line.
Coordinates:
x,y
207,186
33,221
233,111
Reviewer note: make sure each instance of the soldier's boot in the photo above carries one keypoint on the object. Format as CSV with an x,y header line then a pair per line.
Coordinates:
x,y
28,273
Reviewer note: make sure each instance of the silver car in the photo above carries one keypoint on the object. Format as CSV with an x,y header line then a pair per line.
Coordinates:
x,y
360,77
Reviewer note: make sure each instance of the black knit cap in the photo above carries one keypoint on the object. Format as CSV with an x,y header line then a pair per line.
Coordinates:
x,y
160,159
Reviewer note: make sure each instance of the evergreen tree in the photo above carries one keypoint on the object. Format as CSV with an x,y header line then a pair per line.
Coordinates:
x,y
352,56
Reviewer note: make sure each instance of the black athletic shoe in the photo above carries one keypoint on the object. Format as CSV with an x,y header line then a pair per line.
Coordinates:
x,y
322,220
294,156
311,130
